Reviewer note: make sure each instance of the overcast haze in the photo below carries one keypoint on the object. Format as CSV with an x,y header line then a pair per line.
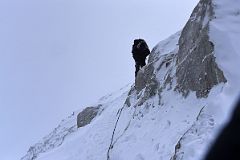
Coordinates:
x,y
57,56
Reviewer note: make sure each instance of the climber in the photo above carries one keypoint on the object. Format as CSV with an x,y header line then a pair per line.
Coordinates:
x,y
140,51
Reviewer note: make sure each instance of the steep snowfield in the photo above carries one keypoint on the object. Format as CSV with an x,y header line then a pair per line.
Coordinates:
x,y
67,131
149,131
225,33
151,120
91,141
152,129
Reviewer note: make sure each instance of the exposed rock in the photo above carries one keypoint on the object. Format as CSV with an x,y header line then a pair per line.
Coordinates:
x,y
150,90
128,102
86,116
146,79
196,66
128,99
196,69
144,76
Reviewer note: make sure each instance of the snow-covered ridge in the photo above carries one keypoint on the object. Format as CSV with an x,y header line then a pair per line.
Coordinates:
x,y
54,139
67,127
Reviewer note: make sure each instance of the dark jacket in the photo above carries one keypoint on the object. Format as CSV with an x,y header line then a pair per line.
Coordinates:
x,y
140,51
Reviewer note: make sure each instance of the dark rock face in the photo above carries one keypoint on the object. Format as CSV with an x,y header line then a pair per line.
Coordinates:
x,y
86,116
144,77
196,66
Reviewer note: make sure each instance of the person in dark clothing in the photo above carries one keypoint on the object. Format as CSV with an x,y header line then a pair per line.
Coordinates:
x,y
140,51
227,144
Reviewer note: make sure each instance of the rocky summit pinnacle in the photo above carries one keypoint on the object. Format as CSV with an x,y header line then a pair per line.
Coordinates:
x,y
197,69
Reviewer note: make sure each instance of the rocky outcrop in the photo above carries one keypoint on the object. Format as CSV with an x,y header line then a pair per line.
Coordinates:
x,y
86,116
159,73
146,79
196,66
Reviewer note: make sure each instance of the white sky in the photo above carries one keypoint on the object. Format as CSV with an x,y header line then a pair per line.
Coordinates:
x,y
57,56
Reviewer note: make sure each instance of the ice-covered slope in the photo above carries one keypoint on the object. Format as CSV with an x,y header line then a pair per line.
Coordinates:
x,y
176,106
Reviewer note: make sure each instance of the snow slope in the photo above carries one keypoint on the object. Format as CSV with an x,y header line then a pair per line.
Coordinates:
x,y
225,33
67,130
151,119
